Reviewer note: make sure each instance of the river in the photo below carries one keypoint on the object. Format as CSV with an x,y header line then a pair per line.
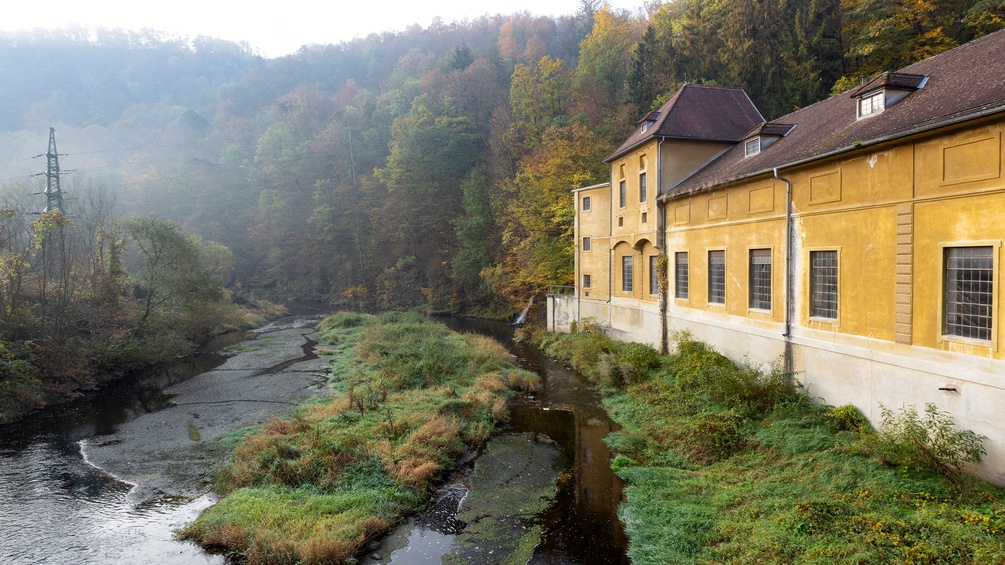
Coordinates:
x,y
59,507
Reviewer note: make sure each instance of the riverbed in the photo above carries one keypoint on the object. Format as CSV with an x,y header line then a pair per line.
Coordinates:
x,y
108,479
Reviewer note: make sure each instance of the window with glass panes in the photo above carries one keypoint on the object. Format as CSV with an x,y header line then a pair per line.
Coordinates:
x,y
627,274
717,277
654,275
642,188
760,279
823,284
680,275
969,292
622,194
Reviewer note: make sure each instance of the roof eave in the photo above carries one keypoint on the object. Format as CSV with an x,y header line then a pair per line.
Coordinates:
x,y
668,196
636,145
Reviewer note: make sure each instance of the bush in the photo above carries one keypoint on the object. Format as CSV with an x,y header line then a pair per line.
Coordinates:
x,y
847,418
927,441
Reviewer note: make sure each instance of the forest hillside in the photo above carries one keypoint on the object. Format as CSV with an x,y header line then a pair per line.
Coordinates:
x,y
425,167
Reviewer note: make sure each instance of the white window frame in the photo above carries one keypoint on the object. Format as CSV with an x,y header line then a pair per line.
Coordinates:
x,y
752,147
872,104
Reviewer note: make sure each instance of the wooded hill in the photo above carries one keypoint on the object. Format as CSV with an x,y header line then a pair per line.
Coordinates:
x,y
428,166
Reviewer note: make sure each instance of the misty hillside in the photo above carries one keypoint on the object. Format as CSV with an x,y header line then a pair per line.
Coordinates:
x,y
430,165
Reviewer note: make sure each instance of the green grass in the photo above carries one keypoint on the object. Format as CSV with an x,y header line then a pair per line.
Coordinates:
x,y
317,486
729,464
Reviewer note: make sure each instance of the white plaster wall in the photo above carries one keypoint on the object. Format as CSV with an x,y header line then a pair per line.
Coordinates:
x,y
561,312
635,320
867,373
833,369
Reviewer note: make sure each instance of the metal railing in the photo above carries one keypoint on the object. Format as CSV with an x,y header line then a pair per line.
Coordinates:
x,y
564,290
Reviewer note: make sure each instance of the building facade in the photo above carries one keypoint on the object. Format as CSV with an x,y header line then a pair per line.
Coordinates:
x,y
857,241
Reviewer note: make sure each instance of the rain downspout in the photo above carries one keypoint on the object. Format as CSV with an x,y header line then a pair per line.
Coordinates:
x,y
789,274
661,242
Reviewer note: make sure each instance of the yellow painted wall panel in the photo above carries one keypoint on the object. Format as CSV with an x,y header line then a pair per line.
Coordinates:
x,y
866,268
967,160
977,159
761,199
975,220
825,187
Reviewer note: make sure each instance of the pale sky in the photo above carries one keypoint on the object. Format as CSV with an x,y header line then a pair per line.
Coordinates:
x,y
274,28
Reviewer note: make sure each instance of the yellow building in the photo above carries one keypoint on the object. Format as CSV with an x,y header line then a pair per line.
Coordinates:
x,y
858,240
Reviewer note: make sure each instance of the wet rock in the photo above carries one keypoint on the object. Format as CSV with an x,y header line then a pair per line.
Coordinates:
x,y
512,482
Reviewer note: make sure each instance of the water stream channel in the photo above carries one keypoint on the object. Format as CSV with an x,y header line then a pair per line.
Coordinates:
x,y
59,505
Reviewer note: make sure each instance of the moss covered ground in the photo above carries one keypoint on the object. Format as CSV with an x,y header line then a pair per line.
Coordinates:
x,y
732,464
316,486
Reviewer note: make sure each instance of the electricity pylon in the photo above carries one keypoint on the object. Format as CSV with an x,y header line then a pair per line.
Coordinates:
x,y
53,194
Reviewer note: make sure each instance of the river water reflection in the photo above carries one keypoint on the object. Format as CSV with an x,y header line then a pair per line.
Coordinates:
x,y
582,527
57,508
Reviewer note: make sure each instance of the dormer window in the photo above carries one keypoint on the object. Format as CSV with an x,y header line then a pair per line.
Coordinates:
x,y
762,136
649,120
884,91
872,104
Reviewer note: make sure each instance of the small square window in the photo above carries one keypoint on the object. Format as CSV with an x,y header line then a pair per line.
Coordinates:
x,y
586,244
621,221
968,295
645,217
752,147
680,275
717,277
586,281
586,203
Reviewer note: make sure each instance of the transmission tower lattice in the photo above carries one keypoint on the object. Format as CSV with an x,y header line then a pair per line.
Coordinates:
x,y
53,193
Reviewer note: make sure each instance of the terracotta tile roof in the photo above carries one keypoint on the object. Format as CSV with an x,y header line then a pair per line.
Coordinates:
x,y
702,112
965,82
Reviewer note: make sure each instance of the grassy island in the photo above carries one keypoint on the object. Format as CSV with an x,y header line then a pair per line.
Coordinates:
x,y
316,486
